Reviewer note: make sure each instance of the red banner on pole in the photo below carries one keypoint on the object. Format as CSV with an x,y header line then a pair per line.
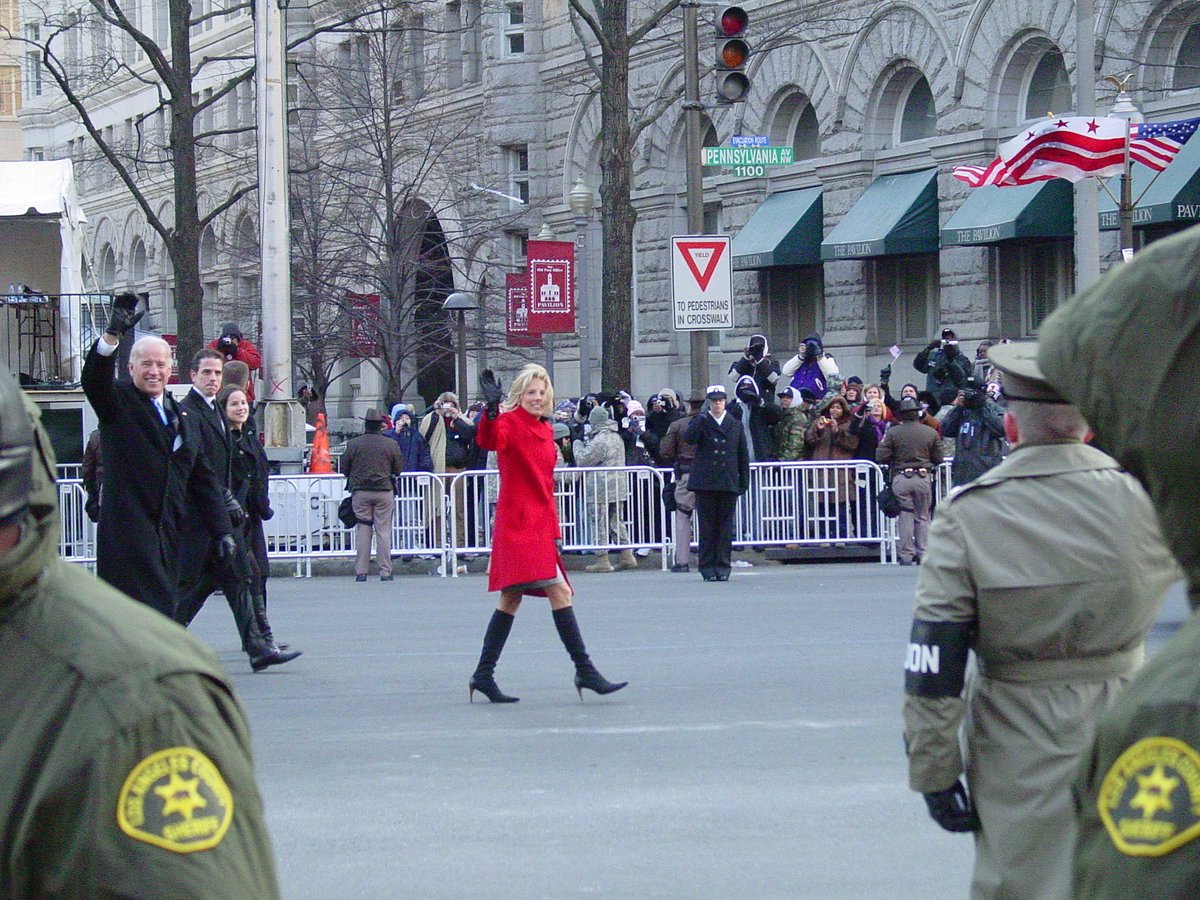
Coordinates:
x,y
516,311
551,287
364,325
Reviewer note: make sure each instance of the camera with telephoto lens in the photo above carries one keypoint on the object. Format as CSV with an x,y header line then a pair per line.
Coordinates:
x,y
226,344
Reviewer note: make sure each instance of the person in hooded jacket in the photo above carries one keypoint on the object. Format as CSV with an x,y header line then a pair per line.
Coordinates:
x,y
758,416
756,361
661,410
413,447
604,449
977,426
788,433
810,368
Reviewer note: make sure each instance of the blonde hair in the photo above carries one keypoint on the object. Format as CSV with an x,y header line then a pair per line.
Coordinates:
x,y
531,372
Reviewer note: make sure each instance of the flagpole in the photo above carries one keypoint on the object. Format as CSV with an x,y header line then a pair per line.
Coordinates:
x,y
1087,213
1124,108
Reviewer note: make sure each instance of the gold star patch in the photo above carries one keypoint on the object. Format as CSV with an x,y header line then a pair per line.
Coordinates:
x,y
1150,799
175,799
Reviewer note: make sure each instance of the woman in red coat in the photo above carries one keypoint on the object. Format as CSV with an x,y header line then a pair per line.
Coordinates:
x,y
525,558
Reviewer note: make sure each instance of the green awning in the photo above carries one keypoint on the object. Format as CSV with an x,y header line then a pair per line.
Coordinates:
x,y
1045,209
784,231
1173,197
896,214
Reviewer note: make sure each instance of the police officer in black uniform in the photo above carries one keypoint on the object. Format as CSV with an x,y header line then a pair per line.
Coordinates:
x,y
720,474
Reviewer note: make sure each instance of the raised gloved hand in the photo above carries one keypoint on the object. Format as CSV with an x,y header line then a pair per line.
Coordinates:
x,y
122,317
237,515
934,345
226,548
885,374
489,386
953,809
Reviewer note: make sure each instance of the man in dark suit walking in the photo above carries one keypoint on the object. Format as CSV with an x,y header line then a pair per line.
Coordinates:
x,y
154,472
720,474
201,568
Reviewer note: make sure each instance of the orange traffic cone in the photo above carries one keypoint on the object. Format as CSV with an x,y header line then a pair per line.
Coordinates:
x,y
318,460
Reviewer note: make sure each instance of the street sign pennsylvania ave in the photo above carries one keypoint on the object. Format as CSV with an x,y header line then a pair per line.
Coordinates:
x,y
747,156
701,282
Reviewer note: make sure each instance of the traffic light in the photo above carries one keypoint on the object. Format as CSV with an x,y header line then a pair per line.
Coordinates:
x,y
733,85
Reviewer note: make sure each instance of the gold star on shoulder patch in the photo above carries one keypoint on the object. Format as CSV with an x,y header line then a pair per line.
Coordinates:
x,y
1150,799
175,799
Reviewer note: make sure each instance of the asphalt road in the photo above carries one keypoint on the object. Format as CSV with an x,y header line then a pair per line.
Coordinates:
x,y
756,753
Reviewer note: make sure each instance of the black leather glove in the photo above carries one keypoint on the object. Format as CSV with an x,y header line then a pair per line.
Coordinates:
x,y
885,374
578,433
266,513
237,515
91,506
743,366
122,318
953,809
934,345
226,549
489,386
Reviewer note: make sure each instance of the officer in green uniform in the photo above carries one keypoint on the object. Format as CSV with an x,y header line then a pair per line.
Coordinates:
x,y
1127,351
125,764
1051,568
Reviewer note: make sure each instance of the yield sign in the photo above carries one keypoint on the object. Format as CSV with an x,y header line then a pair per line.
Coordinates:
x,y
701,282
702,258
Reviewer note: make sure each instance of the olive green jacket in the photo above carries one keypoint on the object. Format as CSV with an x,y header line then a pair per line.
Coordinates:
x,y
125,755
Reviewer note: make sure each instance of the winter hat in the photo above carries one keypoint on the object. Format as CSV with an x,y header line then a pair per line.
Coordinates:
x,y
808,395
635,408
670,396
561,431
854,379
598,416
788,392
231,329
757,346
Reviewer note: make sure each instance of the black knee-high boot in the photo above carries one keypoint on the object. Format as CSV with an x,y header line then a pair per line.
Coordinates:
x,y
493,644
586,675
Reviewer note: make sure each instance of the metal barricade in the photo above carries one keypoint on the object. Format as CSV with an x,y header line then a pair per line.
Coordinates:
x,y
813,504
77,533
598,510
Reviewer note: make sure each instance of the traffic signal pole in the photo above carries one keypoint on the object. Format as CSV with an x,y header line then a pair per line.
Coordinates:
x,y
695,192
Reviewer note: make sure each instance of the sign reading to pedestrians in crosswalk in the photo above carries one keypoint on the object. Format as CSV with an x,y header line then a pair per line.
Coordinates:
x,y
701,282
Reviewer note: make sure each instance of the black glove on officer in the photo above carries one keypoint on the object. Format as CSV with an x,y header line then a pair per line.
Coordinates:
x,y
237,515
226,549
953,809
122,318
489,386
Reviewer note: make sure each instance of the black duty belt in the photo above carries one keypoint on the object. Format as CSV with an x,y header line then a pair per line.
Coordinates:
x,y
915,470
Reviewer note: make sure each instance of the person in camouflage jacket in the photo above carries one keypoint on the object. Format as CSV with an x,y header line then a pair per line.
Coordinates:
x,y
788,432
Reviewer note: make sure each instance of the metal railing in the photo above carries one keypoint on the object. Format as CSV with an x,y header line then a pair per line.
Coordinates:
x,y
788,504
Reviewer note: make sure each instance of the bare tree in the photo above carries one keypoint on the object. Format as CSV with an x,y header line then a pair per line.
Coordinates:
x,y
374,180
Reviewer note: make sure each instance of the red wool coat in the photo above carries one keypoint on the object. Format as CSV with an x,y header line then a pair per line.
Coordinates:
x,y
524,536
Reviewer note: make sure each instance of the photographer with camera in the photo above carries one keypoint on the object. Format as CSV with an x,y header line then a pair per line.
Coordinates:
x,y
756,361
977,426
945,367
231,345
811,367
661,410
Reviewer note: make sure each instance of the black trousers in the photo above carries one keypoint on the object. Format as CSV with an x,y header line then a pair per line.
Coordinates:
x,y
715,511
237,579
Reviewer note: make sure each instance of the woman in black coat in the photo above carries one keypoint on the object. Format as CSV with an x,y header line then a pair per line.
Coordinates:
x,y
719,475
248,471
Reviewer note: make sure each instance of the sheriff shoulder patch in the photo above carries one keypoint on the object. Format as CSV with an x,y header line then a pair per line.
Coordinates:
x,y
1150,799
175,799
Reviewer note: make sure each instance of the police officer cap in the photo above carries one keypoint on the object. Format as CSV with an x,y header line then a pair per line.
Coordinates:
x,y
1023,379
716,392
16,451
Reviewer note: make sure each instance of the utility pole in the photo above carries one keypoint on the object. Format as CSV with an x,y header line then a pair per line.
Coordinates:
x,y
1087,213
695,193
284,424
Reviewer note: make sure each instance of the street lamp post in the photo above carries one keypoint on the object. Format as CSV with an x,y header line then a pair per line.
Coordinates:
x,y
1125,108
582,199
459,303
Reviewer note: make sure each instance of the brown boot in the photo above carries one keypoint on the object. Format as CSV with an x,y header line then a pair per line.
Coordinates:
x,y
627,561
602,564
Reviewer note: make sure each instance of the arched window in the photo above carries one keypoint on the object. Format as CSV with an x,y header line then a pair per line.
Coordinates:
x,y
108,269
795,125
137,264
208,250
918,118
1049,88
1187,60
905,110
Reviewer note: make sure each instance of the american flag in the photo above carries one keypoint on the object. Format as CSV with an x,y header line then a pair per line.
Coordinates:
x,y
1155,144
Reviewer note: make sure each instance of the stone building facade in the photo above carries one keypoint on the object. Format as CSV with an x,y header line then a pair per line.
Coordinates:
x,y
865,238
